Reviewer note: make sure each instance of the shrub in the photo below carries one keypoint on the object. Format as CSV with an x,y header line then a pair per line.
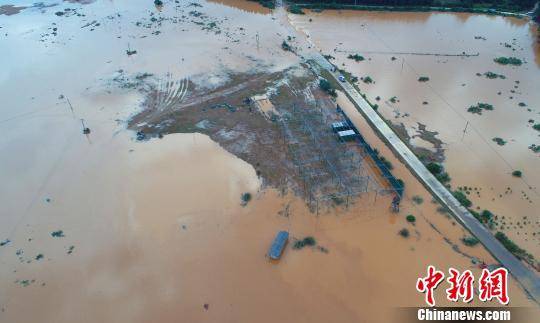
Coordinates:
x,y
491,75
410,218
386,163
486,216
267,4
434,168
327,87
58,234
417,199
367,79
246,197
404,233
307,241
286,47
499,141
356,57
516,173
470,241
511,246
462,199
508,61
477,109
537,127
423,79
443,178
158,2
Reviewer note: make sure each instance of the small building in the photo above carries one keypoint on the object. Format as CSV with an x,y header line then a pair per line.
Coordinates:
x,y
276,249
347,135
340,126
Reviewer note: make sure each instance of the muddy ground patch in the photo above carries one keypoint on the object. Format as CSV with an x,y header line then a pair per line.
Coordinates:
x,y
278,122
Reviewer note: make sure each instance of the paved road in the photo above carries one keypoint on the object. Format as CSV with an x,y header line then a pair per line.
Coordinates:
x,y
526,277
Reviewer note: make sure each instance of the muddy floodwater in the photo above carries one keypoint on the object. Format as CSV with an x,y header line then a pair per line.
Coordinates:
x,y
456,52
135,187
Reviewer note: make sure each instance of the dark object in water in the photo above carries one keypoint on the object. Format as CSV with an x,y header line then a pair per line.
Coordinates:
x,y
278,245
140,135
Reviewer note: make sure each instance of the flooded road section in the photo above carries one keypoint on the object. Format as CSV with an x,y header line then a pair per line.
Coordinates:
x,y
103,227
456,53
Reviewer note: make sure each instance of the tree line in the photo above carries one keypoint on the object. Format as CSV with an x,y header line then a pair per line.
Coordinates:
x,y
516,5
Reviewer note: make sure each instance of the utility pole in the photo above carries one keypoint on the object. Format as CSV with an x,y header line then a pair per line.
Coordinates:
x,y
465,130
85,129
402,62
70,106
257,38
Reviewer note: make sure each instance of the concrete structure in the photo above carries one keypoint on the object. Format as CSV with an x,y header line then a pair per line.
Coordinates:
x,y
346,134
340,126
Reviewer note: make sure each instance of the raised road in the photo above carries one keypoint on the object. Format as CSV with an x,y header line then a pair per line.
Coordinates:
x,y
525,276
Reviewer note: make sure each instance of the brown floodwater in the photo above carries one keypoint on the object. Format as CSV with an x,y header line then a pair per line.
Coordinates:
x,y
154,230
392,43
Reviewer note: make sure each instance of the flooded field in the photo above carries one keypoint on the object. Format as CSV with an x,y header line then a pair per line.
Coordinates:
x,y
164,209
456,53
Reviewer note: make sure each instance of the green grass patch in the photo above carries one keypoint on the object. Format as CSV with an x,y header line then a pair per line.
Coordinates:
x,y
462,198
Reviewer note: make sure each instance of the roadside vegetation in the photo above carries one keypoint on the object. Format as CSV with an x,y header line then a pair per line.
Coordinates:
x,y
327,87
438,171
513,247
